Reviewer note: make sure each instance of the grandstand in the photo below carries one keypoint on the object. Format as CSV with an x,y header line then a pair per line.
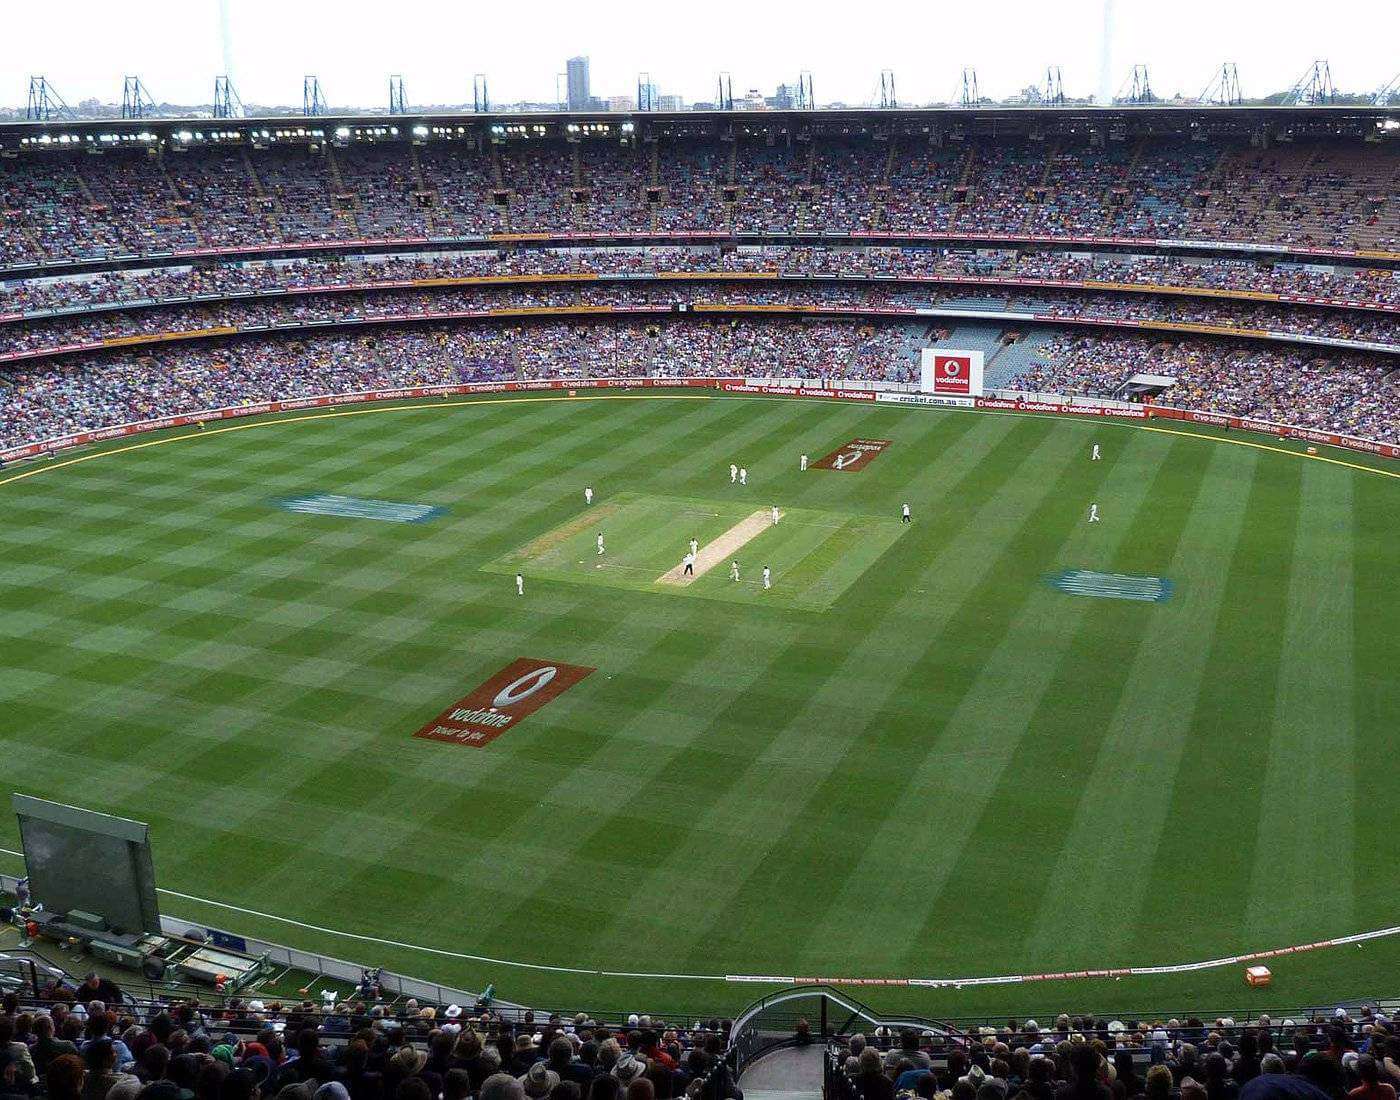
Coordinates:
x,y
636,307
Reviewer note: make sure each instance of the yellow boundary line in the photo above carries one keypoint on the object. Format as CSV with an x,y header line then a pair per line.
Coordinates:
x,y
483,399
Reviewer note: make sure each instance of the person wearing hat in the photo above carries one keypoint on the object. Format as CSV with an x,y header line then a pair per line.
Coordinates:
x,y
539,1081
407,1062
629,1067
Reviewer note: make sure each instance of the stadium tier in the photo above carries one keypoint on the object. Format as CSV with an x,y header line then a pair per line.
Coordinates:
x,y
302,186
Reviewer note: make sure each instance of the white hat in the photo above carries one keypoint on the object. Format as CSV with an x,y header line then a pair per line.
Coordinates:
x,y
256,1006
452,1011
632,1020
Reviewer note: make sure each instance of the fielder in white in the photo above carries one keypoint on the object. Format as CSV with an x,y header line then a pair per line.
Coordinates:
x,y
600,542
767,578
588,494
775,515
743,475
733,473
1095,456
804,462
733,570
519,584
694,546
1094,514
840,461
904,516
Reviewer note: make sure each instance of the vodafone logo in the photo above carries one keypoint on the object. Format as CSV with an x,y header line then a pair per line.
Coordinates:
x,y
953,367
514,693
519,690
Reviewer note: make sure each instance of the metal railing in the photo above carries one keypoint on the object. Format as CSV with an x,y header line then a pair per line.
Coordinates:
x,y
805,1014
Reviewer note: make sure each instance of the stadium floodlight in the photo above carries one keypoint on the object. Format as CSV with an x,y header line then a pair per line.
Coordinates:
x,y
342,131
420,131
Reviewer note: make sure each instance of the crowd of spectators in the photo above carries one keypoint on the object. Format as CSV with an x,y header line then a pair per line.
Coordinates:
x,y
60,205
52,334
91,1049
1325,1057
1346,392
1330,391
44,401
1361,287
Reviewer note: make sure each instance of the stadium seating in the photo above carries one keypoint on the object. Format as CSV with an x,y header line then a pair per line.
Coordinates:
x,y
62,206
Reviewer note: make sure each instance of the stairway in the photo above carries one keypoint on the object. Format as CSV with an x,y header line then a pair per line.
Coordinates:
x,y
793,1073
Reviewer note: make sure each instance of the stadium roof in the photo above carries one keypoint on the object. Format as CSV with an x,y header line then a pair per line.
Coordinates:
x,y
1119,121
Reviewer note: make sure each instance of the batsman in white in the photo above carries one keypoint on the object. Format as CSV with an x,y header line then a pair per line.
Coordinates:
x,y
743,475
775,515
767,578
600,542
733,570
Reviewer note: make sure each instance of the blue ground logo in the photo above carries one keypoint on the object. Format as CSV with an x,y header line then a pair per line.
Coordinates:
x,y
387,511
1112,586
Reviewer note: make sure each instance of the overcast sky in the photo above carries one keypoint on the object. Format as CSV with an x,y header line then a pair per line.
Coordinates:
x,y
85,47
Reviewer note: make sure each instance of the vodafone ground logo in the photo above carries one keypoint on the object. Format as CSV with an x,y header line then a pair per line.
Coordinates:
x,y
852,456
518,690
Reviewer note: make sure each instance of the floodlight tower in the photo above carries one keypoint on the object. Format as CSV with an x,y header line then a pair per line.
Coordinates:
x,y
888,97
226,101
312,101
724,93
1054,95
806,101
1224,88
136,101
45,103
1314,88
398,98
969,96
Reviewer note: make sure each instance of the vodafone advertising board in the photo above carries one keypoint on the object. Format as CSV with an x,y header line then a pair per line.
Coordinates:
x,y
947,372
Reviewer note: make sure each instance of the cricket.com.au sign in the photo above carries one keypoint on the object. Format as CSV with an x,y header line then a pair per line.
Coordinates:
x,y
498,705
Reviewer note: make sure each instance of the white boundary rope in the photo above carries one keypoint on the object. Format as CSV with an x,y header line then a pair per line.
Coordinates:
x,y
790,979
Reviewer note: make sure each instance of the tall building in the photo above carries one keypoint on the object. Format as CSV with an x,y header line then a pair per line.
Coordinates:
x,y
577,70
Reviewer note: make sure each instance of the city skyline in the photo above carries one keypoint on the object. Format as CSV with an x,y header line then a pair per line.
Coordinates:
x,y
178,48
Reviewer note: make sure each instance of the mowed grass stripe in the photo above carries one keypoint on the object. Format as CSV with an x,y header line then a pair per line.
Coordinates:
x,y
1089,910
991,689
1007,862
1215,808
1308,792
1376,702
803,732
864,748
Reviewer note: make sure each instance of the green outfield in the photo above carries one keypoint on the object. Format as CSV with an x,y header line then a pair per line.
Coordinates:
x,y
997,740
